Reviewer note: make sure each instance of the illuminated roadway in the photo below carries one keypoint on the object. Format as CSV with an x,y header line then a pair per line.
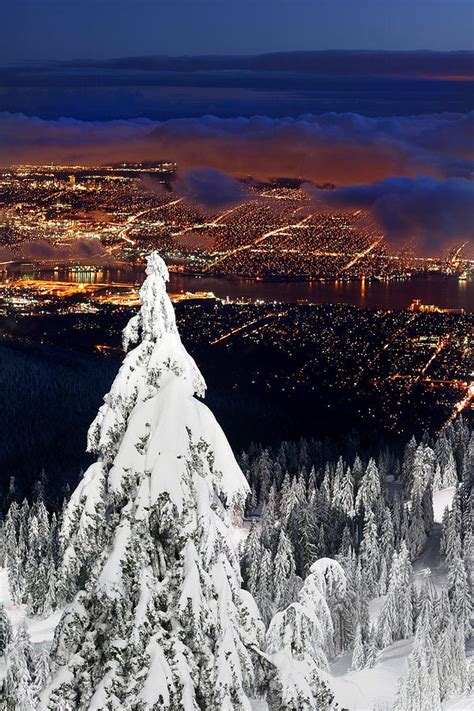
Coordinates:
x,y
247,325
123,234
272,233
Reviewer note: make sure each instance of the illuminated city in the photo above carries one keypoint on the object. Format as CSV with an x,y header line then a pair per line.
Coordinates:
x,y
118,213
76,237
405,368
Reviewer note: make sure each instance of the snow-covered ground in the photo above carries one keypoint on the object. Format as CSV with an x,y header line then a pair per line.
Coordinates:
x,y
374,688
441,499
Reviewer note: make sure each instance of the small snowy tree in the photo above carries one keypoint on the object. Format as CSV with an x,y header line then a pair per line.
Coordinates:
x,y
5,630
422,471
460,594
264,596
372,649
19,689
343,496
396,618
358,653
299,640
445,469
42,669
369,489
369,552
283,571
253,551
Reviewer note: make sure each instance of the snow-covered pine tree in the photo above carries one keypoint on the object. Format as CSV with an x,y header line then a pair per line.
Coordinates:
x,y
337,479
407,464
357,470
445,468
422,471
251,503
299,640
396,618
161,620
345,615
42,665
291,498
303,529
460,593
372,649
284,571
387,542
39,566
263,475
416,531
251,559
270,529
343,496
19,693
264,596
369,489
5,630
370,553
12,558
361,598
358,653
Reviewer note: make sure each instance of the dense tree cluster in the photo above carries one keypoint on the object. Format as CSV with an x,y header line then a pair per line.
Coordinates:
x,y
60,392
368,514
31,552
373,515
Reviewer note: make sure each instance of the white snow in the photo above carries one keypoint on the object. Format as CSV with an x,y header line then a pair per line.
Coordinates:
x,y
441,499
368,688
465,704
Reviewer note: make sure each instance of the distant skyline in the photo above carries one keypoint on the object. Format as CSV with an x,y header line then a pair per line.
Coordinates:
x,y
97,29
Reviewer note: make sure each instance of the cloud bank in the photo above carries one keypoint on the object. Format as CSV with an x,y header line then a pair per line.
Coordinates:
x,y
339,148
429,211
80,248
210,188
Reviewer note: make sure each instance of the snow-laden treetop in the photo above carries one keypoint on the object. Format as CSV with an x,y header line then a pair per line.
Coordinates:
x,y
156,319
159,359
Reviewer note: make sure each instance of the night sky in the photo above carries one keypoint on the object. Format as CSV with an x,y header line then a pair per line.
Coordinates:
x,y
66,29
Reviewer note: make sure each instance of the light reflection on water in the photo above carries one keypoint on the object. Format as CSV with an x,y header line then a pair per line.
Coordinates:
x,y
445,292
